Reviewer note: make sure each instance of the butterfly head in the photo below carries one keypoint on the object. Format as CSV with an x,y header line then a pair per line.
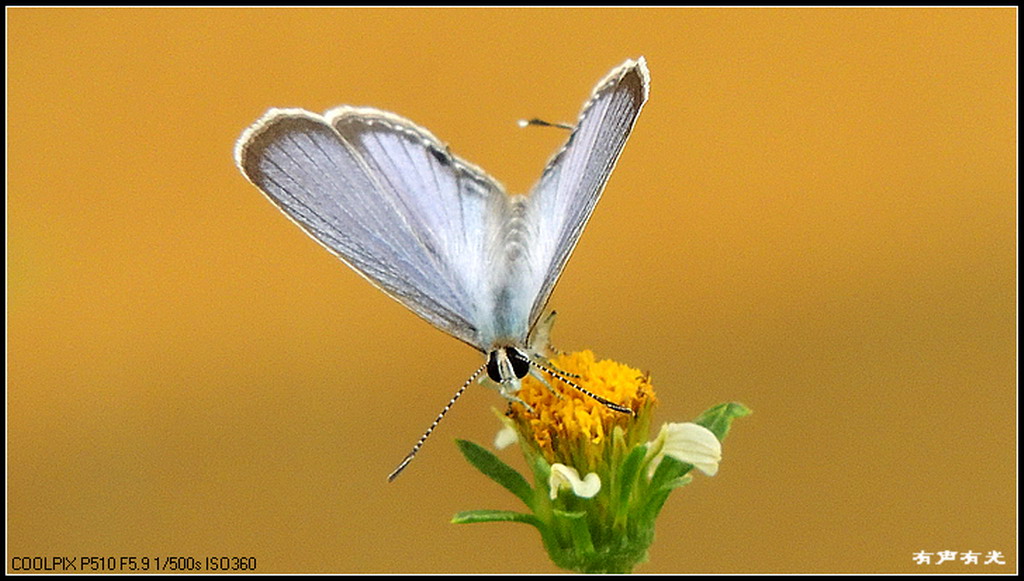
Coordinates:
x,y
507,364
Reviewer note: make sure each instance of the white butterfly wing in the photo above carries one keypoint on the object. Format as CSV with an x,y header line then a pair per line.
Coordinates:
x,y
386,197
431,230
560,204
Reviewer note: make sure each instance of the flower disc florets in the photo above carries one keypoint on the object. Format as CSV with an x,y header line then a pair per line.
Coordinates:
x,y
570,427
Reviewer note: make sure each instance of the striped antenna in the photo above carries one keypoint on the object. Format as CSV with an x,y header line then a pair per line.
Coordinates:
x,y
565,379
423,438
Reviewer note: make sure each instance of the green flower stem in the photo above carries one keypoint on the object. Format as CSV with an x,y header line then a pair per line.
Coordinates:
x,y
574,526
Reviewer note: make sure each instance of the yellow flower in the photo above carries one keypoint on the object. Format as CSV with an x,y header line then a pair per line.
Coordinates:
x,y
583,416
573,428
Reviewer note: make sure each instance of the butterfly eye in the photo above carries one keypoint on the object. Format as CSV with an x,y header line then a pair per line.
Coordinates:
x,y
493,371
520,363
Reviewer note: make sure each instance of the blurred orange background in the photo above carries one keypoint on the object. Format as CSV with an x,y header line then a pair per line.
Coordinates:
x,y
815,216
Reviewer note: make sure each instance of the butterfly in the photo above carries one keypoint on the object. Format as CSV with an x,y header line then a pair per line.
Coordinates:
x,y
435,232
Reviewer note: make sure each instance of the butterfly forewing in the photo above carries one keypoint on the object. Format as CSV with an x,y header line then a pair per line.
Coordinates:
x,y
387,198
562,201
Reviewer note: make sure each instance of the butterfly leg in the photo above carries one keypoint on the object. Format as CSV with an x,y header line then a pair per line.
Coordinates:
x,y
540,377
508,390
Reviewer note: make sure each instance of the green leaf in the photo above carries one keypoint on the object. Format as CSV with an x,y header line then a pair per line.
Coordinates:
x,y
667,477
669,469
627,475
678,482
497,470
654,504
719,418
476,516
541,469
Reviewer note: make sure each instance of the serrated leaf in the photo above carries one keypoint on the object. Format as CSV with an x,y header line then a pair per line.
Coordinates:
x,y
496,470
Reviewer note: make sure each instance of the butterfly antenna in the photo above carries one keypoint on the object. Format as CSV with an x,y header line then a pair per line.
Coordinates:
x,y
543,123
423,438
565,379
